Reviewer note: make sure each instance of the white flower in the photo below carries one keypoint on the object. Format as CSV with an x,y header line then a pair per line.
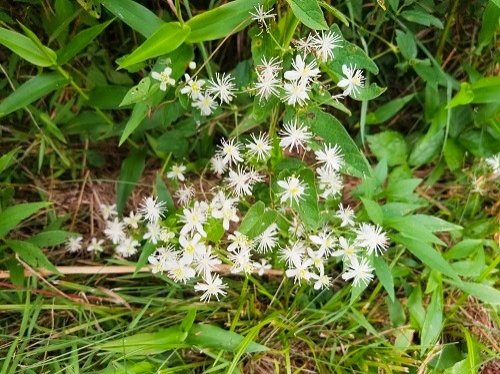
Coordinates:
x,y
193,87
322,280
213,286
222,87
177,172
95,245
305,45
293,253
347,250
206,262
325,43
261,16
180,270
161,257
269,68
324,240
184,194
127,247
360,271
294,135
74,244
302,72
330,156
346,215
329,182
296,92
165,234
300,270
194,219
164,78
108,211
296,229
192,65
241,262
133,220
114,231
192,246
239,242
227,212
152,209
260,146
293,188
217,165
205,103
494,163
372,238
267,82
317,257
267,240
230,150
353,80
154,233
240,181
261,267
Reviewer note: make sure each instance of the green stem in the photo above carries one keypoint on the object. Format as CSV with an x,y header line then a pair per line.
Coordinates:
x,y
446,31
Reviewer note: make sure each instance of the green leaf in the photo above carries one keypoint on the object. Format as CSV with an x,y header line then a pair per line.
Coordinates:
x,y
332,131
13,215
166,39
147,250
147,343
335,12
433,322
454,154
50,238
308,208
464,248
138,114
421,18
31,91
215,230
374,210
7,159
257,220
406,44
164,194
309,13
31,254
483,292
389,145
92,7
489,24
137,93
137,16
428,255
385,112
188,320
130,173
384,275
80,41
415,307
213,337
220,22
27,48
486,90
368,92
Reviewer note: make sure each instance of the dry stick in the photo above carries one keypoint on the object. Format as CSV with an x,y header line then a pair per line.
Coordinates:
x,y
112,269
80,197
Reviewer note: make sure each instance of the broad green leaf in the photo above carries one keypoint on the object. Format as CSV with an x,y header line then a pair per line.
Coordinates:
x,y
222,21
486,90
389,145
454,154
50,238
92,7
31,254
188,320
147,343
147,250
138,114
80,41
350,54
421,18
214,229
428,255
137,16
374,210
483,292
489,24
130,173
406,44
433,322
214,337
368,92
13,215
27,48
309,13
384,275
7,159
137,93
464,248
415,307
31,91
164,194
257,220
463,97
387,111
335,12
166,39
308,208
332,131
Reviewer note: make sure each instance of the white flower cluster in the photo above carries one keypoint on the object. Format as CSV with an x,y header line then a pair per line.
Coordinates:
x,y
185,250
